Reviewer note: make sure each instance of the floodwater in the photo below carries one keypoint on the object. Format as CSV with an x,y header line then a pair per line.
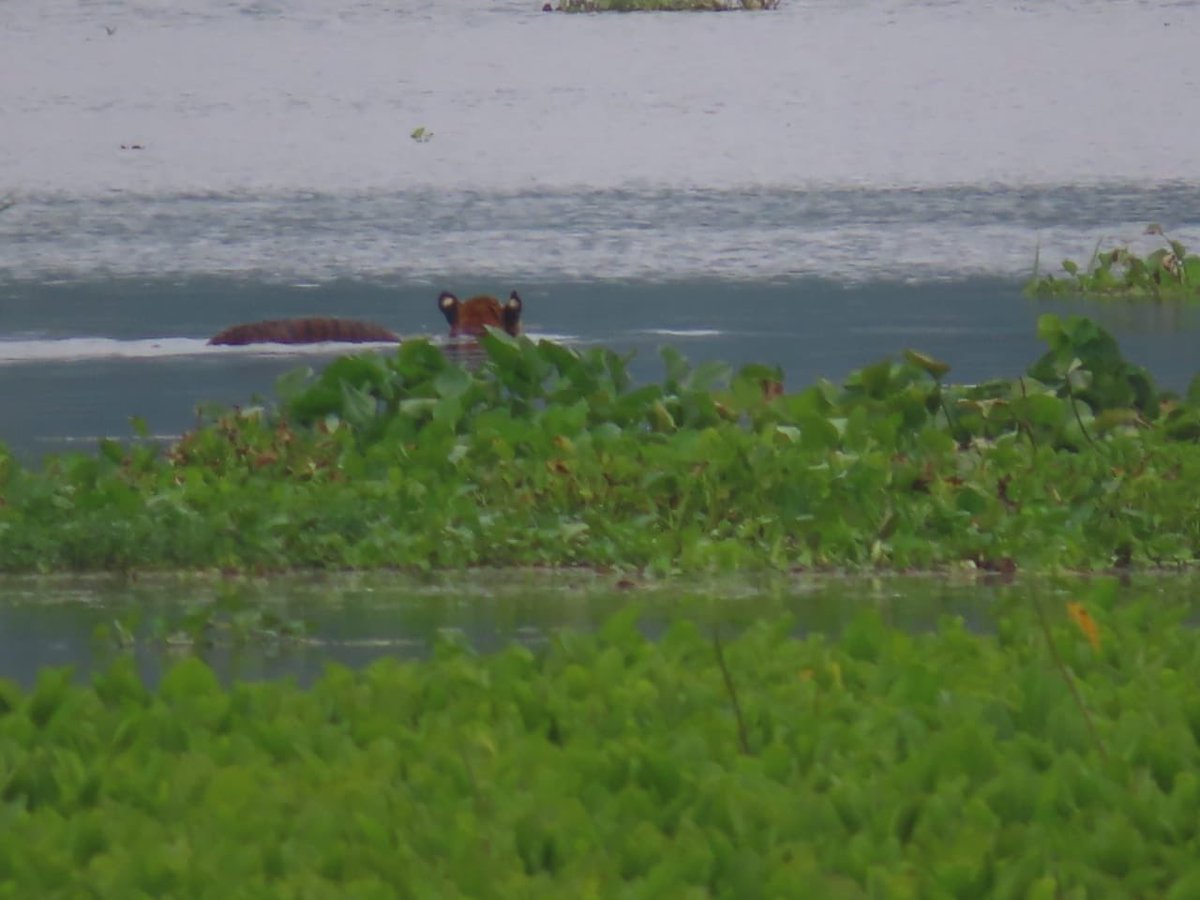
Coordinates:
x,y
814,187
295,626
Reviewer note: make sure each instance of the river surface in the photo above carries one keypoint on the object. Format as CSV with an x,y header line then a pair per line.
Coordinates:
x,y
814,187
295,626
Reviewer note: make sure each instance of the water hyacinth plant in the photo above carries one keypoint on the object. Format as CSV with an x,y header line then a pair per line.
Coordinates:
x,y
759,764
547,455
1168,272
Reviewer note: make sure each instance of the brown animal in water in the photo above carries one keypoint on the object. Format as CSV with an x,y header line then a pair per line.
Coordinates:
x,y
472,316
771,388
310,330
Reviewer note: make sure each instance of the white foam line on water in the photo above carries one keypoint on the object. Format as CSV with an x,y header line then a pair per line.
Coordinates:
x,y
325,348
80,349
66,349
554,338
92,348
682,332
71,440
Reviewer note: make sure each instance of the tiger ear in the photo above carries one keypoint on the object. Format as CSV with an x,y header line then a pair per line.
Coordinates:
x,y
447,301
512,314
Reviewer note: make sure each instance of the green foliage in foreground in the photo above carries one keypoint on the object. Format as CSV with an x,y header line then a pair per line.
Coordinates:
x,y
546,455
1031,764
1169,272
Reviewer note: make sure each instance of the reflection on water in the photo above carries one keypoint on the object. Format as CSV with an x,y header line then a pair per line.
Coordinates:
x,y
353,619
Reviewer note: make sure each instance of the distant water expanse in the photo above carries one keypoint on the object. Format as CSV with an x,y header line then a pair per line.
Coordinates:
x,y
911,139
813,186
849,234
310,95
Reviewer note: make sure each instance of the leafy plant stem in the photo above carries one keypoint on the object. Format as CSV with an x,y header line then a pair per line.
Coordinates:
x,y
1021,423
950,421
477,795
1075,410
731,689
1066,677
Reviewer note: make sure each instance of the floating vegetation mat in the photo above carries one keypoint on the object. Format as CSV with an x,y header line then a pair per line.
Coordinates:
x,y
546,455
1166,273
659,5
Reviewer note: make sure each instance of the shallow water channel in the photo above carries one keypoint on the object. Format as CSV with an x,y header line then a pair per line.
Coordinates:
x,y
294,626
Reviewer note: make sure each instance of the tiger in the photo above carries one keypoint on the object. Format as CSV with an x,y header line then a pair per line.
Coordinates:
x,y
466,317
472,316
310,330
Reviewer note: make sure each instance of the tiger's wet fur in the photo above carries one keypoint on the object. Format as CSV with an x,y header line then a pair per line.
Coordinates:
x,y
472,316
310,330
469,318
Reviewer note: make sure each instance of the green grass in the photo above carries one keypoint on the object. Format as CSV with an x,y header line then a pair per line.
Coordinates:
x,y
549,456
1027,763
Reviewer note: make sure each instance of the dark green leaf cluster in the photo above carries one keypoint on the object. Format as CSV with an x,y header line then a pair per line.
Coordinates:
x,y
540,454
877,764
1169,272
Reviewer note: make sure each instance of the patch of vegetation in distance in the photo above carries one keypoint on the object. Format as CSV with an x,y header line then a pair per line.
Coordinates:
x,y
661,5
1047,760
1169,272
547,455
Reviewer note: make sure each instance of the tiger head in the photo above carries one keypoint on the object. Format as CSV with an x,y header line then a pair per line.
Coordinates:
x,y
471,317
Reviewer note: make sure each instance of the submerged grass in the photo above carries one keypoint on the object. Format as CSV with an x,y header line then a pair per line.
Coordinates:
x,y
878,763
544,455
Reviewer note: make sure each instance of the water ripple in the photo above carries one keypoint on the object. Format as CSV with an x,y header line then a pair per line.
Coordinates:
x,y
652,234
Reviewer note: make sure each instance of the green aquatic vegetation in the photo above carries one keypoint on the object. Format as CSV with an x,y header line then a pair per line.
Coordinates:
x,y
227,619
546,455
876,763
1167,272
660,5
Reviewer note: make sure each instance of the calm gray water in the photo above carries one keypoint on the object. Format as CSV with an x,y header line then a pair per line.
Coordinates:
x,y
354,619
814,187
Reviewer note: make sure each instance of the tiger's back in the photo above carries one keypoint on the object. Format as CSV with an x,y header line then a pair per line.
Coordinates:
x,y
309,330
